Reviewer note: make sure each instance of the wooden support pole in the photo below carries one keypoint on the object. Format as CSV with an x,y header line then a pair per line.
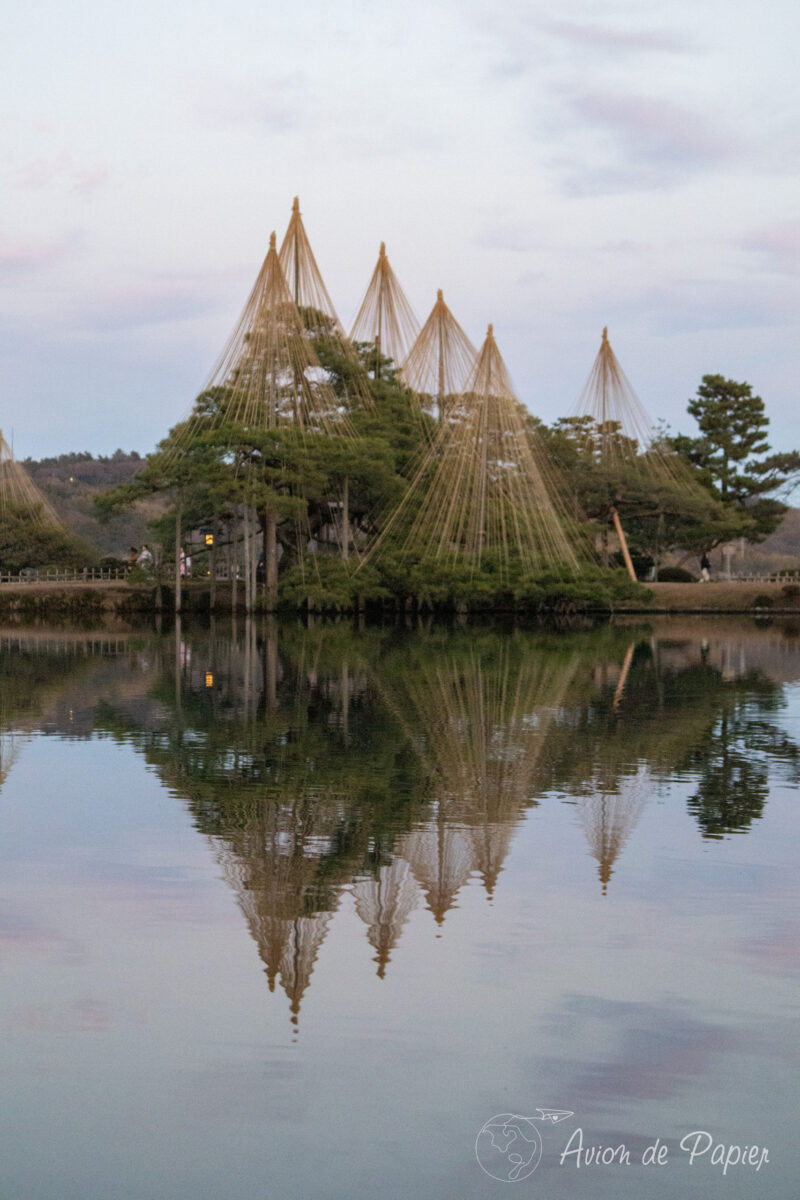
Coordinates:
x,y
623,676
623,543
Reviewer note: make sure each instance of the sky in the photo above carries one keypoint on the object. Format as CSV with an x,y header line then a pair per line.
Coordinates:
x,y
554,165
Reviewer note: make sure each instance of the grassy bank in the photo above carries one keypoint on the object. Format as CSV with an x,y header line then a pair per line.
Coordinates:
x,y
720,596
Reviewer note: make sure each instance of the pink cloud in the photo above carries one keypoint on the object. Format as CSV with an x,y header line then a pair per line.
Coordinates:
x,y
24,255
61,170
77,1016
88,179
778,244
655,129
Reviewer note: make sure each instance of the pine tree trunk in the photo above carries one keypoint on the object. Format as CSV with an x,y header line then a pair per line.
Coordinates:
x,y
271,557
178,580
213,595
346,520
248,578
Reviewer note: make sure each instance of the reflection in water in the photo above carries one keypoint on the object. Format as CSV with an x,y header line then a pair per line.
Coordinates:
x,y
481,713
384,904
397,767
608,820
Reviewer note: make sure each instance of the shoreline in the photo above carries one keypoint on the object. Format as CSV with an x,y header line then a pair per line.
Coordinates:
x,y
111,597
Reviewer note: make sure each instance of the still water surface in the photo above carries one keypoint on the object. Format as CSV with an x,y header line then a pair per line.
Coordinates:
x,y
294,913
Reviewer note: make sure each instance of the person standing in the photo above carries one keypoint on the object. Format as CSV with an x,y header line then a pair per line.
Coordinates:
x,y
705,569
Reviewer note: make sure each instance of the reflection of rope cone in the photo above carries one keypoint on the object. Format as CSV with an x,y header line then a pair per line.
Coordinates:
x,y
609,818
441,857
272,874
384,905
485,726
10,746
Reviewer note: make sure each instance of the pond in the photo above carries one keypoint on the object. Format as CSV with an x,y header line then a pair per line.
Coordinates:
x,y
340,913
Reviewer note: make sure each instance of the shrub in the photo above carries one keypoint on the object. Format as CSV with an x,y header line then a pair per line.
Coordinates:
x,y
763,601
675,575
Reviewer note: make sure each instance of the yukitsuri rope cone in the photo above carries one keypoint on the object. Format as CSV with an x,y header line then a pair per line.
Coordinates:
x,y
269,372
622,437
438,366
319,316
624,430
18,492
483,488
303,276
385,316
269,377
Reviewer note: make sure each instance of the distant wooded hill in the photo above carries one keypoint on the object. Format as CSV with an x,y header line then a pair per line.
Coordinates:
x,y
71,481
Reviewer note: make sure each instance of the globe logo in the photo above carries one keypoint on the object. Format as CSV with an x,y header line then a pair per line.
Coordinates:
x,y
508,1147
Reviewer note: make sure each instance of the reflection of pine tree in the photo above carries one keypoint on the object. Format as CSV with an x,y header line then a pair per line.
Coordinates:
x,y
735,757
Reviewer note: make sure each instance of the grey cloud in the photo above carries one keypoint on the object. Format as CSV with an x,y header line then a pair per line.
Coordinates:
x,y
529,39
691,306
638,143
606,37
505,236
275,106
151,302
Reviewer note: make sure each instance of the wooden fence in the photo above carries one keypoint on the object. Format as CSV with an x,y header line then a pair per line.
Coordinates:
x,y
165,573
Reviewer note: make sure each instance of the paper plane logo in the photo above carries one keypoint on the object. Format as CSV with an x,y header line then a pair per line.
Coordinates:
x,y
554,1115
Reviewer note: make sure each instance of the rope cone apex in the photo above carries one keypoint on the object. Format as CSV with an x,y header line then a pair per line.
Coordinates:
x,y
316,307
439,363
268,374
385,317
